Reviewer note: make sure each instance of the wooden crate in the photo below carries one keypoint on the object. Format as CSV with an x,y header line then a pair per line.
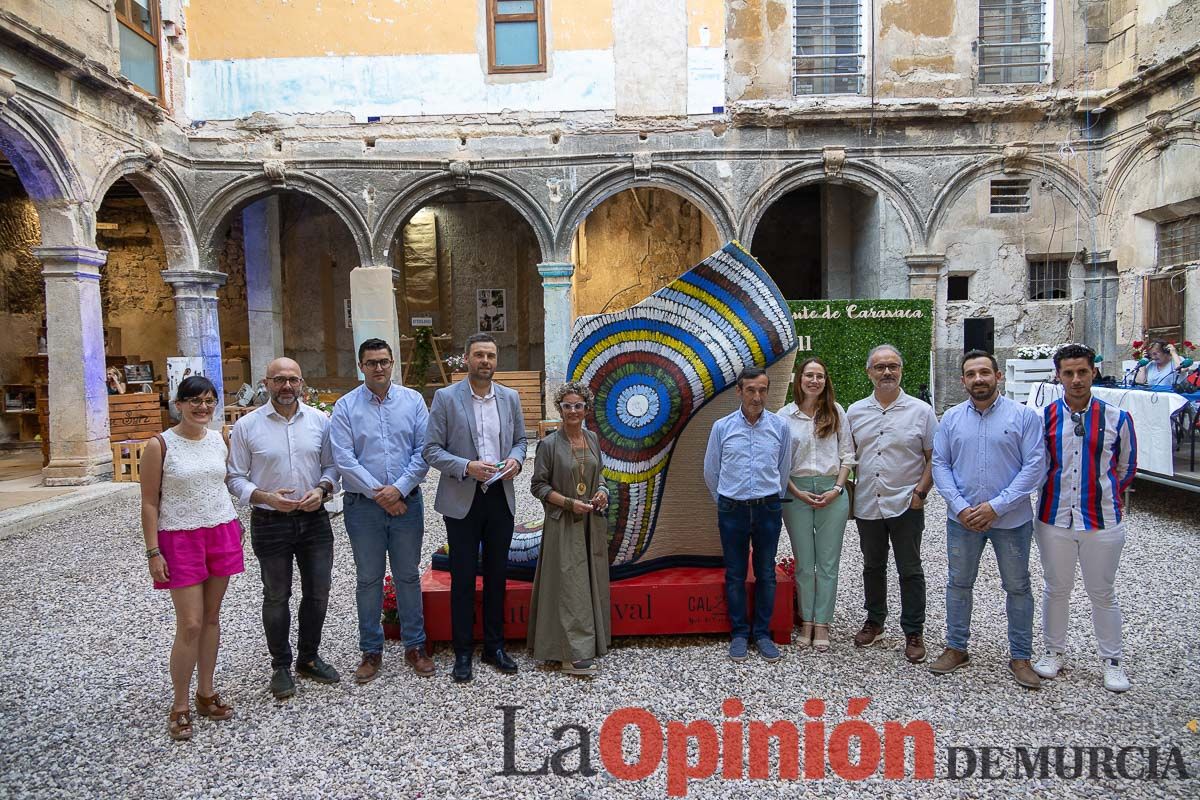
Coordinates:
x,y
127,457
134,416
234,413
529,386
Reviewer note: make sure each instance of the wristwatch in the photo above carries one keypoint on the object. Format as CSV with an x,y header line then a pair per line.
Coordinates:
x,y
326,491
839,489
920,494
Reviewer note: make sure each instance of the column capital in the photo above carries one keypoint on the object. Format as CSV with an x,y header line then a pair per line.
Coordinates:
x,y
180,278
924,263
68,261
555,269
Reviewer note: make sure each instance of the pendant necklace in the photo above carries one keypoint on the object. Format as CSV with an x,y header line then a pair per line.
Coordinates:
x,y
581,487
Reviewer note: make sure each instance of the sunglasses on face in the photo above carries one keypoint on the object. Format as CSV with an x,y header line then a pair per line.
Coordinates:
x,y
572,406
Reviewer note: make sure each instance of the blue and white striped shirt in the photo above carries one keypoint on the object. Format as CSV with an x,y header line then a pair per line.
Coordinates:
x,y
1086,475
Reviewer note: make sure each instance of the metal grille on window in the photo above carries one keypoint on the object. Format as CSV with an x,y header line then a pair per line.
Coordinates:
x,y
1049,280
1179,241
828,47
1010,195
1012,41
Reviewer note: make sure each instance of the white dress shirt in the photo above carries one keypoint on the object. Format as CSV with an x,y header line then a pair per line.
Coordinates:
x,y
487,426
890,444
811,456
269,451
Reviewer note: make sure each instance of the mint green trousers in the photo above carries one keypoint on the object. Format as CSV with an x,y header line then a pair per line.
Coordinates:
x,y
816,535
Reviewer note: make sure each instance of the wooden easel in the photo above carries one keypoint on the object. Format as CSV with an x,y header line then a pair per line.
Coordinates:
x,y
406,351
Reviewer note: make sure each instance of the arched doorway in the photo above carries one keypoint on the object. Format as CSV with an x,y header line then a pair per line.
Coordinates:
x,y
833,240
634,243
466,261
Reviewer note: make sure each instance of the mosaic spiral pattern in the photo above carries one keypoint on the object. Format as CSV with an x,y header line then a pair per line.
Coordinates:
x,y
653,366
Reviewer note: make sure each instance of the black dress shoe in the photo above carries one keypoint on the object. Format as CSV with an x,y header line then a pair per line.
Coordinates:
x,y
500,660
282,685
462,668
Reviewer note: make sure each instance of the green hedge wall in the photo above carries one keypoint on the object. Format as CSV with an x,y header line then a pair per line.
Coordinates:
x,y
842,332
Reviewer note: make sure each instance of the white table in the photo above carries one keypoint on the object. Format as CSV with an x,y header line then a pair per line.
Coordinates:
x,y
1151,412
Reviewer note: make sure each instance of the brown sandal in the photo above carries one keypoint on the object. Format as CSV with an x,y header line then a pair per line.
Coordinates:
x,y
212,707
179,724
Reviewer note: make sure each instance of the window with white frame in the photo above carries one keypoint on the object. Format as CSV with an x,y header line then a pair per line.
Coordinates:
x,y
1179,241
1013,41
828,47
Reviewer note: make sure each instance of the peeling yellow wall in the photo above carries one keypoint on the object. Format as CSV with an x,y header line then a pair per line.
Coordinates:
x,y
303,28
706,14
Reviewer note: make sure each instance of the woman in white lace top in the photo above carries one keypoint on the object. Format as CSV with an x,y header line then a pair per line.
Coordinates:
x,y
193,544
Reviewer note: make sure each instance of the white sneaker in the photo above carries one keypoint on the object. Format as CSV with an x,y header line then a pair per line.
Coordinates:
x,y
1115,679
1050,664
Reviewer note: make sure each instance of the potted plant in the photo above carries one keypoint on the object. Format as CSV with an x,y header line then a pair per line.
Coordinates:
x,y
391,617
455,363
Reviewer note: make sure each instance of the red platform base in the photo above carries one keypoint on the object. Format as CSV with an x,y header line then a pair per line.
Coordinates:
x,y
667,601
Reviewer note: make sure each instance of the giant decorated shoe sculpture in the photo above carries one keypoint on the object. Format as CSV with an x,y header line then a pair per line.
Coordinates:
x,y
662,372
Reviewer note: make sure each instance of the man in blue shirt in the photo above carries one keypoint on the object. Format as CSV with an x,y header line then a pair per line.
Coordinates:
x,y
377,433
988,458
746,468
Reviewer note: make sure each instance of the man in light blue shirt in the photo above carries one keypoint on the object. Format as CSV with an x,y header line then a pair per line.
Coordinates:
x,y
746,468
377,433
988,458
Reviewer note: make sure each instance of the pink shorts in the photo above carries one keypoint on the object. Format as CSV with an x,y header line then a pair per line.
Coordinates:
x,y
196,555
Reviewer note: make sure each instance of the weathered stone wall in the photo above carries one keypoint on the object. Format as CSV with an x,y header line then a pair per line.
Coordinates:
x,y
232,310
22,295
88,26
633,244
133,295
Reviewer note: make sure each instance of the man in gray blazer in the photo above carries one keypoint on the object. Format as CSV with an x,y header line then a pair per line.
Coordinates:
x,y
476,440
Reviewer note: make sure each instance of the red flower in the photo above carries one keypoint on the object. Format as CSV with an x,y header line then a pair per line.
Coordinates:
x,y
1188,344
1138,343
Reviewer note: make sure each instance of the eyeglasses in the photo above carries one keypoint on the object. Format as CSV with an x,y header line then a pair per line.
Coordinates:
x,y
380,363
286,381
196,402
1077,418
886,367
572,406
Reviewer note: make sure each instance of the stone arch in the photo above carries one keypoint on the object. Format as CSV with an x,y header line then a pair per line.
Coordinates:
x,y
36,154
245,189
854,174
166,198
1128,162
417,195
1057,175
682,182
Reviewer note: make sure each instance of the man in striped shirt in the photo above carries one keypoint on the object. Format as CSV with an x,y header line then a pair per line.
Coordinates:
x,y
1091,458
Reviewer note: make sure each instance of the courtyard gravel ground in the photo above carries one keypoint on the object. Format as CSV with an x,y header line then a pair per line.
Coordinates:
x,y
84,687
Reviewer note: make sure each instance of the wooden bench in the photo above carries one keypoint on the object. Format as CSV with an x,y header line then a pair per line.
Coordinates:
x,y
529,386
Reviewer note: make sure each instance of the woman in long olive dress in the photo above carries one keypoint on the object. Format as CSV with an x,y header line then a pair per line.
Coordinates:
x,y
569,616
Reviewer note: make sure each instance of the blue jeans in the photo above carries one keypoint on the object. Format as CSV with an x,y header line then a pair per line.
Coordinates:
x,y
964,548
749,532
376,536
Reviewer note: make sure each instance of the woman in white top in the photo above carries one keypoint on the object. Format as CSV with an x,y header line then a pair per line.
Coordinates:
x,y
1163,366
822,455
193,544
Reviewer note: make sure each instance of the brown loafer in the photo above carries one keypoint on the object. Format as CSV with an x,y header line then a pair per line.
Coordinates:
x,y
419,660
868,635
1023,673
914,647
950,660
212,707
368,670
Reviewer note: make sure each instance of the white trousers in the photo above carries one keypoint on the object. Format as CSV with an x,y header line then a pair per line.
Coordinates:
x,y
1099,555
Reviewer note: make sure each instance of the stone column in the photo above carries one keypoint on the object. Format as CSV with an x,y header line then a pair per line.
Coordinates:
x,y
373,310
264,283
79,446
197,325
559,314
1100,290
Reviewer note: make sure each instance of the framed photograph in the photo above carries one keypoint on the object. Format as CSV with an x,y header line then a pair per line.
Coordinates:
x,y
490,311
178,368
